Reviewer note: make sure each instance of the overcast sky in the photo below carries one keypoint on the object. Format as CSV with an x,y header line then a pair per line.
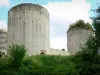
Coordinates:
x,y
62,14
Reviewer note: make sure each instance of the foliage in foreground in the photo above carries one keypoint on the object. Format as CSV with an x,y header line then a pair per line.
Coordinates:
x,y
83,63
41,64
17,53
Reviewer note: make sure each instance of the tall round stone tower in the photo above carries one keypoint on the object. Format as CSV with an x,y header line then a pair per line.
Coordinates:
x,y
28,24
77,36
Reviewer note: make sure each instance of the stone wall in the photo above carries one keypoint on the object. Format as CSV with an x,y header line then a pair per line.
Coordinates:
x,y
3,41
58,52
76,38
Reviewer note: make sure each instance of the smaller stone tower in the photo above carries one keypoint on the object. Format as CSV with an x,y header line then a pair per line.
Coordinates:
x,y
3,41
77,35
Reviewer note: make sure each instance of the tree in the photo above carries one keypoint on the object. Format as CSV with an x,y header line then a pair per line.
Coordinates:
x,y
17,53
90,59
96,26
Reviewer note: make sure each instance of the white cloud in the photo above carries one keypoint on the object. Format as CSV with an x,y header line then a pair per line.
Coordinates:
x,y
3,25
61,15
77,9
58,26
58,43
4,3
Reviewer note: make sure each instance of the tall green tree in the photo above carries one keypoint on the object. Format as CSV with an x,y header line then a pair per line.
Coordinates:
x,y
17,53
89,55
96,26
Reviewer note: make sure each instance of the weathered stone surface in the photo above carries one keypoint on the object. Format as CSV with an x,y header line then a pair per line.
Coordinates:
x,y
76,38
3,41
58,52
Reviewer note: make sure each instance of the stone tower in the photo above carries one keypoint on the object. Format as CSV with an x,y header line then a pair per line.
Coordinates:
x,y
28,24
77,36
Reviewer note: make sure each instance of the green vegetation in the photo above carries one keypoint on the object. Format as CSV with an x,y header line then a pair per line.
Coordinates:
x,y
17,54
19,64
81,24
51,65
85,62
